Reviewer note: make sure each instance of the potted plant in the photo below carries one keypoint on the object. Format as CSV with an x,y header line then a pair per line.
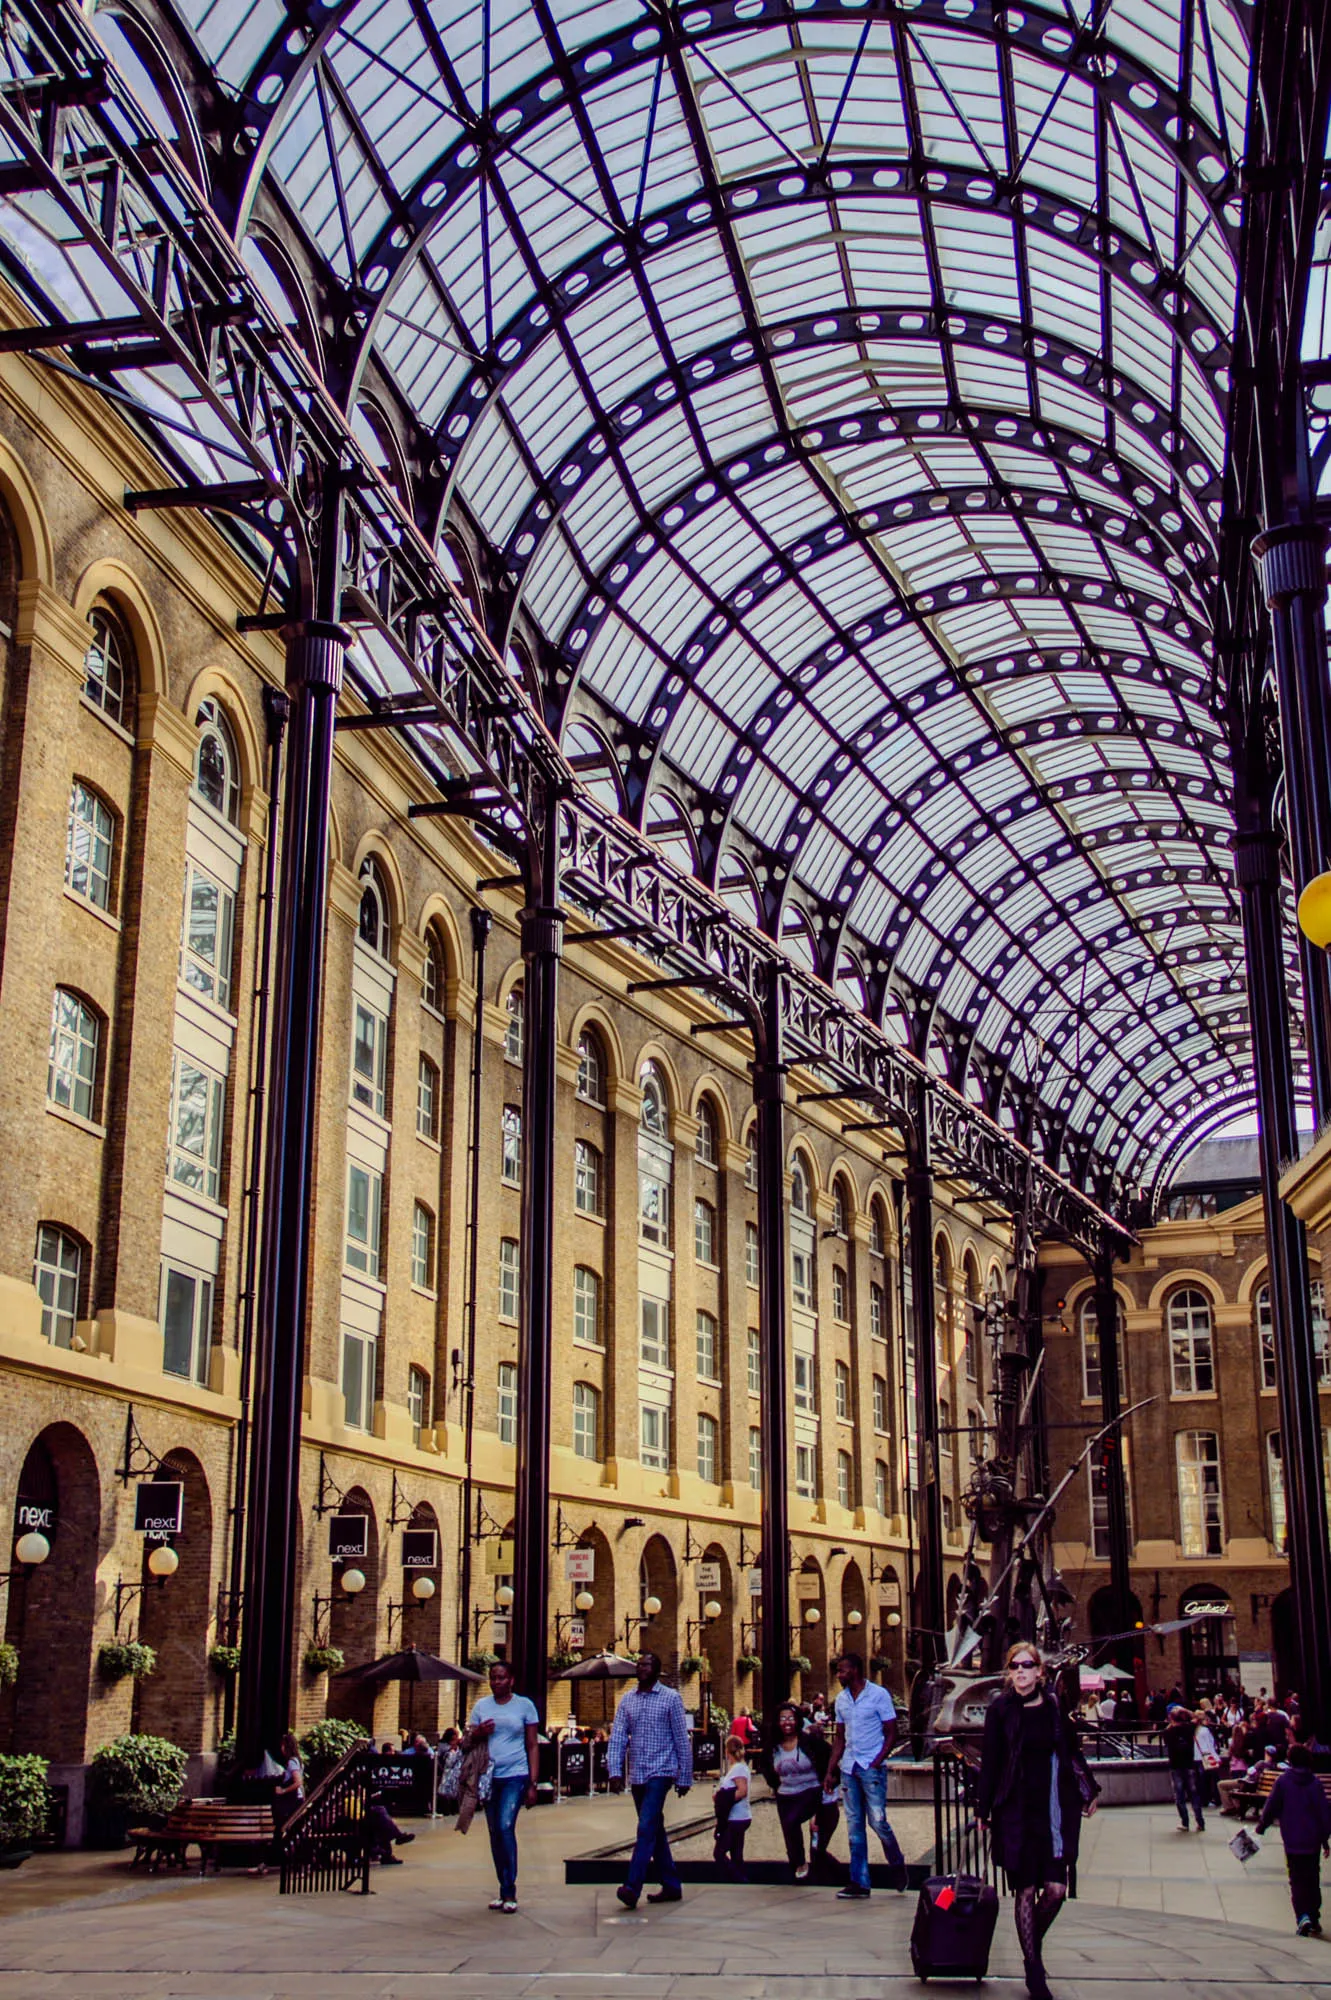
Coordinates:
x,y
481,1660
326,1743
24,1805
323,1660
746,1664
562,1660
225,1660
127,1660
880,1664
689,1666
8,1664
132,1778
800,1663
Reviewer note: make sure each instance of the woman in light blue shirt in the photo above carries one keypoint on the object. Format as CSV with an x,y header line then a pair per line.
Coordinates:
x,y
508,1722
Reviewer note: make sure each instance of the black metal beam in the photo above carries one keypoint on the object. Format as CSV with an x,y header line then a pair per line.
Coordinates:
x,y
769,1088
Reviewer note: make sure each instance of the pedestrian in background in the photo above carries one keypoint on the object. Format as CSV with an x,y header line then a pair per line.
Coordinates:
x,y
651,1734
1303,1811
795,1767
734,1812
866,1729
1035,1784
1180,1740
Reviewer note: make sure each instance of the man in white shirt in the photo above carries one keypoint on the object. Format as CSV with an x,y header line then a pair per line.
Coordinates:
x,y
866,1729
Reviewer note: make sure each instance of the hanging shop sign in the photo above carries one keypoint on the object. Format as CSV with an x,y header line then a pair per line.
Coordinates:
x,y
499,1558
577,1632
34,1517
1206,1604
499,1631
348,1537
808,1585
159,1508
755,1583
580,1565
709,1578
420,1548
889,1592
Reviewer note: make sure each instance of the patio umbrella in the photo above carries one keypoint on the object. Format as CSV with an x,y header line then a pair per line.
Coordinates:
x,y
1092,1680
600,1667
413,1663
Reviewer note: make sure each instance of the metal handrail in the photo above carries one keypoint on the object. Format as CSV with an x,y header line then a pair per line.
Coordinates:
x,y
325,1844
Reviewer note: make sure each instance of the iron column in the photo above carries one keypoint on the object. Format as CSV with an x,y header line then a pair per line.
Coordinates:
x,y
1111,1410
769,1090
1293,566
929,1507
1257,867
542,947
314,655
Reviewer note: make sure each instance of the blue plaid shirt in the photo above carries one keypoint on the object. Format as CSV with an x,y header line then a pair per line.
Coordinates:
x,y
651,1727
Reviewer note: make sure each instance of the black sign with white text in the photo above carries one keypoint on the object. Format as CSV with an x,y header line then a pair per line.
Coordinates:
x,y
159,1507
420,1548
348,1536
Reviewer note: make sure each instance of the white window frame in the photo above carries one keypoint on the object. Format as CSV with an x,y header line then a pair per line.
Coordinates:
x,y
359,1369
369,1057
510,1146
89,846
806,1471
654,1333
708,1147
1098,1486
197,1168
801,1278
586,1177
754,1361
581,1294
57,1272
1321,1334
755,1457
510,1277
880,1405
71,1074
840,1295
422,1247
363,1253
207,972
845,1479
1191,1330
704,1232
200,1331
427,1097
1200,1499
654,1436
751,1259
514,1024
881,1492
709,1346
843,1392
804,1382
877,1316
506,1402
418,1402
653,1206
709,1448
586,1421
590,1086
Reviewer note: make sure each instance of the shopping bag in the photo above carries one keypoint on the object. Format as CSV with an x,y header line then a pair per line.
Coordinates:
x,y
1243,1846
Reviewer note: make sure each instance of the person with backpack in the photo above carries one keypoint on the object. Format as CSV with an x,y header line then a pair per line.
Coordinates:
x,y
1303,1810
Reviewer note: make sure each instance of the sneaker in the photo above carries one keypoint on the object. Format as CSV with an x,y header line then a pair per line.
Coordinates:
x,y
628,1897
665,1896
509,1907
852,1894
498,1903
1304,1927
802,1872
1315,1928
1201,1826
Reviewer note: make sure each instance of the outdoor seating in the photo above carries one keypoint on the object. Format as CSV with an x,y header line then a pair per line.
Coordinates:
x,y
212,1826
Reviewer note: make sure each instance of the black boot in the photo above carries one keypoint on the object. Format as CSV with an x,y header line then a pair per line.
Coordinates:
x,y
1036,1983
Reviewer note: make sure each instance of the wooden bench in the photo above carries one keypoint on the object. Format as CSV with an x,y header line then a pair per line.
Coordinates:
x,y
1252,1797
211,1825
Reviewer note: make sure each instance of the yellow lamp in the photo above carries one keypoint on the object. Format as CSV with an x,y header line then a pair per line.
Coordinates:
x,y
712,1608
812,1615
422,1588
164,1561
1315,911
584,1600
651,1605
854,1618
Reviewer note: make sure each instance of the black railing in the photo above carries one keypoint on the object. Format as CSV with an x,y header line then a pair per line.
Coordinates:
x,y
326,1842
961,1844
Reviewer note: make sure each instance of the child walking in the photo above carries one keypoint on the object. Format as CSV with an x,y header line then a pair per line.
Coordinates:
x,y
1304,1813
733,1811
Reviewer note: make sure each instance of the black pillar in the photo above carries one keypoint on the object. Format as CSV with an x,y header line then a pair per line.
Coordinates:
x,y
314,656
480,932
929,1506
1257,866
769,1089
1111,1410
1293,561
542,947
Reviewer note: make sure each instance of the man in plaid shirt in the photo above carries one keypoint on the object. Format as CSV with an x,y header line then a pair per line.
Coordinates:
x,y
650,1727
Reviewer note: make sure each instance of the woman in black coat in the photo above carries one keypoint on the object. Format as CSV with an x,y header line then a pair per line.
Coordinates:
x,y
1035,1785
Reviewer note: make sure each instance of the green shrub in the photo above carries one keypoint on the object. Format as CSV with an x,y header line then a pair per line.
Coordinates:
x,y
690,1665
561,1661
880,1664
721,1720
130,1661
800,1663
324,1659
225,1660
326,1743
747,1663
481,1660
24,1799
8,1664
144,1774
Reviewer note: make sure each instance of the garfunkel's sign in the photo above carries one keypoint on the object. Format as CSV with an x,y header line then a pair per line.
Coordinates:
x,y
420,1548
159,1508
348,1537
1206,1604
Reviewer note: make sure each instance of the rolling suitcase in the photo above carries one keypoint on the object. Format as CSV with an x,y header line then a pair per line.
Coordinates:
x,y
954,1928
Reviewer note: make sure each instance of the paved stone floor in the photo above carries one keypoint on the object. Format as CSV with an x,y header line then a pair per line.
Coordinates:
x,y
1159,1912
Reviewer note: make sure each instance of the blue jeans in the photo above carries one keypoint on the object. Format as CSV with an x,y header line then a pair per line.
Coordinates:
x,y
652,1846
1188,1785
865,1794
501,1814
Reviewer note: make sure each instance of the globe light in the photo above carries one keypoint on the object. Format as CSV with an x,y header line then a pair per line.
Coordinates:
x,y
1315,911
32,1548
422,1588
812,1615
894,1619
584,1600
854,1618
164,1561
651,1605
353,1581
504,1596
711,1609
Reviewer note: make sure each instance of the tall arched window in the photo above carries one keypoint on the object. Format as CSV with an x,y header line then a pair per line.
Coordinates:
x,y
1191,1350
1321,1335
89,842
800,1199
372,923
57,1271
513,1007
108,668
840,1207
877,1232
71,1076
432,982
653,1114
216,761
591,1068
709,1133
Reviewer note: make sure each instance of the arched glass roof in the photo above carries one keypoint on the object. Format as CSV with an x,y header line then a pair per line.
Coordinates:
x,y
840,389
